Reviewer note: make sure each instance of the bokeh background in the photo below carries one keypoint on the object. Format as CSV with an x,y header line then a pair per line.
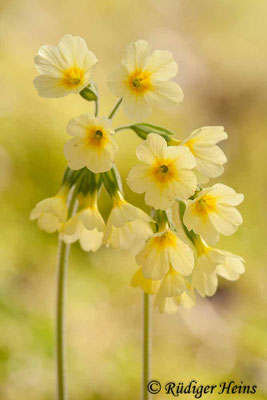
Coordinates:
x,y
220,46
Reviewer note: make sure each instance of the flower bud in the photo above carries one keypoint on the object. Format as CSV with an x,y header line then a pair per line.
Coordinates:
x,y
90,93
142,130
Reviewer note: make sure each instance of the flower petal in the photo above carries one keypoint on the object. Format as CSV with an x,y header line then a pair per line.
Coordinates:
x,y
148,285
138,178
137,54
152,148
116,81
208,135
136,106
76,153
91,240
165,94
162,65
49,61
48,87
181,257
75,51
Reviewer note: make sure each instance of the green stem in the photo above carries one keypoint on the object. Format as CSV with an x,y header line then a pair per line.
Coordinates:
x,y
121,128
146,345
63,256
190,234
115,109
96,107
60,319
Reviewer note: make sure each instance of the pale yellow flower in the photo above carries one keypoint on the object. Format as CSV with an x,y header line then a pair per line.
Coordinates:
x,y
209,157
212,262
65,68
165,173
143,80
92,146
87,226
212,212
51,213
162,251
173,292
128,227
149,286
170,305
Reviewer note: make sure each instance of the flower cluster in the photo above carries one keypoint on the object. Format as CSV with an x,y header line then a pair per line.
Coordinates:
x,y
171,174
171,178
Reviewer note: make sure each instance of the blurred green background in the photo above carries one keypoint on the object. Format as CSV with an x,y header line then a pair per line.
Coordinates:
x,y
220,46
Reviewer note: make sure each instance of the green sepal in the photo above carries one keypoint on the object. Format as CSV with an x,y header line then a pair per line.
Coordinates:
x,y
143,129
112,181
90,183
198,190
70,176
90,93
160,217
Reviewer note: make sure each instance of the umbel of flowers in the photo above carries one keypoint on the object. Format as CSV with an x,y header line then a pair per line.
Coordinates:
x,y
173,246
171,174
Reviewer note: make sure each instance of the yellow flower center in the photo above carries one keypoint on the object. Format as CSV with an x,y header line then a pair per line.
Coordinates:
x,y
164,171
96,137
190,145
73,77
172,271
168,239
205,205
118,199
139,81
201,247
98,134
88,201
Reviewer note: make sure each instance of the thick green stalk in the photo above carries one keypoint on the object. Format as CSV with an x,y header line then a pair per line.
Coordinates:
x,y
147,344
63,256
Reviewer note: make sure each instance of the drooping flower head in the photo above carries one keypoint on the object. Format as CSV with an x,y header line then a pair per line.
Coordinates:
x,y
209,157
212,262
128,227
65,68
212,212
51,213
87,225
143,80
165,173
162,251
174,292
92,145
149,286
165,261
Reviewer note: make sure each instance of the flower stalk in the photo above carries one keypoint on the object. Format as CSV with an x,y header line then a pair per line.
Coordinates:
x,y
63,257
111,115
147,344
